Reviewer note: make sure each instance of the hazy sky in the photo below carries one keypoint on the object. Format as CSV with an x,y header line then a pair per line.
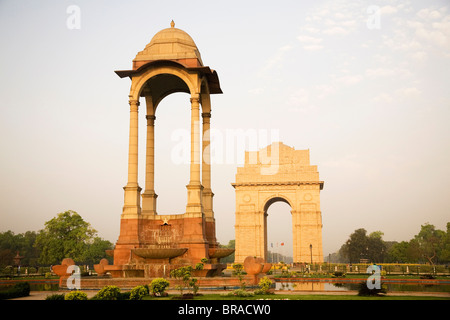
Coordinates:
x,y
363,84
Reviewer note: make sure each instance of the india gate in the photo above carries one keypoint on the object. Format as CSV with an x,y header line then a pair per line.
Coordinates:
x,y
151,244
278,173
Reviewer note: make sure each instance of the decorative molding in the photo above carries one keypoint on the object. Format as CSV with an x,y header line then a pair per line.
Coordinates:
x,y
288,183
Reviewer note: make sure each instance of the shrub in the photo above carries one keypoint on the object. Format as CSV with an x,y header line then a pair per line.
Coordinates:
x,y
199,266
238,270
137,293
21,289
427,276
264,286
76,295
193,284
183,274
339,274
158,286
55,296
125,295
108,293
365,291
241,293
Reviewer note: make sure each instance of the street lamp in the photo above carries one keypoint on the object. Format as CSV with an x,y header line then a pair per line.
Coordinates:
x,y
310,249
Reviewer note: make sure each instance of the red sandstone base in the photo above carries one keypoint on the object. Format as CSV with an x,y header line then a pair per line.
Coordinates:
x,y
130,283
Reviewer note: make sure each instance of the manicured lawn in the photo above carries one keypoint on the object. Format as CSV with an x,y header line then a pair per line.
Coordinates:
x,y
364,276
299,297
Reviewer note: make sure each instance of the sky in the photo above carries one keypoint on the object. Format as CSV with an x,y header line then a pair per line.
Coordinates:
x,y
364,85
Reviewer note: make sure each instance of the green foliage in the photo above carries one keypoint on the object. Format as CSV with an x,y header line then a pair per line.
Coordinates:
x,y
23,243
193,285
264,286
108,293
238,271
430,246
204,260
76,295
363,290
137,293
66,235
363,246
241,293
158,286
338,274
429,242
199,266
95,251
183,274
231,245
21,289
56,296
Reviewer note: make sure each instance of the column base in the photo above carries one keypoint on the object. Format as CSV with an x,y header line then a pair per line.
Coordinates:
x,y
194,198
149,203
132,201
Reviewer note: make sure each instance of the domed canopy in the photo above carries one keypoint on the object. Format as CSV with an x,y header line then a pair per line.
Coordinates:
x,y
170,44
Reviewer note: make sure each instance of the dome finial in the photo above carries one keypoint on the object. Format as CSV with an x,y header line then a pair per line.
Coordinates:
x,y
172,24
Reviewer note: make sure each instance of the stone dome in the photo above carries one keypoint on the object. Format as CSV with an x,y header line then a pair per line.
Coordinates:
x,y
170,44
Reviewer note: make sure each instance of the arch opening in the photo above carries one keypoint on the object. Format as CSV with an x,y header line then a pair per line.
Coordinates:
x,y
278,230
162,85
171,152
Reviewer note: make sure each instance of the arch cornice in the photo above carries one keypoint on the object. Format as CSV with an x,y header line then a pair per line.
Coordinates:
x,y
287,183
203,74
138,81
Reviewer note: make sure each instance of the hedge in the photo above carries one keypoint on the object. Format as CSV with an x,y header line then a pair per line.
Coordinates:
x,y
21,289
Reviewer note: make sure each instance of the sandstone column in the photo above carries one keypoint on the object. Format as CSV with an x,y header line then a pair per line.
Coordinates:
x,y
206,167
132,207
207,194
194,202
194,236
149,196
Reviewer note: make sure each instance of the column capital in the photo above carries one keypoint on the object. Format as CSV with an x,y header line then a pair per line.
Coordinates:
x,y
133,102
195,98
206,115
150,120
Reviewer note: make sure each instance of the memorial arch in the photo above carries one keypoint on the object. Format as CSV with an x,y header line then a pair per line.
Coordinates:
x,y
278,173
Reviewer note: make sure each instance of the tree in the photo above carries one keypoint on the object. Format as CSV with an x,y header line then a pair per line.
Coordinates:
x,y
429,242
95,251
398,252
376,247
66,236
230,258
183,274
445,252
23,243
356,247
363,246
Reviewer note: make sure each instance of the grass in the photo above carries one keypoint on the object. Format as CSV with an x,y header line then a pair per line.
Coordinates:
x,y
300,297
364,276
